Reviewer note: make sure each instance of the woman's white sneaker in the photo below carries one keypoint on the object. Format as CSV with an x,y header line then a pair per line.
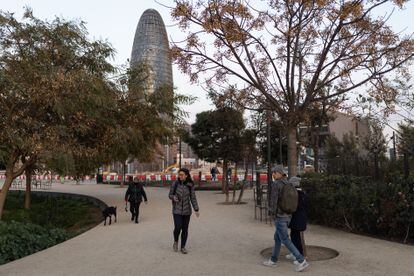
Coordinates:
x,y
269,263
302,266
290,257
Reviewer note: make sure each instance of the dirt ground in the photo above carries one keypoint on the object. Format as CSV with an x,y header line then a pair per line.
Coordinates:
x,y
225,240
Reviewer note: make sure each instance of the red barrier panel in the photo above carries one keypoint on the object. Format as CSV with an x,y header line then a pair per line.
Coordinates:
x,y
263,177
153,178
173,177
195,177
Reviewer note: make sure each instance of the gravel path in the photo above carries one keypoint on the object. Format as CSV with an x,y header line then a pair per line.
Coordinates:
x,y
225,240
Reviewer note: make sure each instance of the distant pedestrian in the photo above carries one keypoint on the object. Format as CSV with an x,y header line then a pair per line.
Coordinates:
x,y
182,195
299,220
229,173
213,173
280,194
134,195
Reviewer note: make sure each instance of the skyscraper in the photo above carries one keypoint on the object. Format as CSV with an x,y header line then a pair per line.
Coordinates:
x,y
151,47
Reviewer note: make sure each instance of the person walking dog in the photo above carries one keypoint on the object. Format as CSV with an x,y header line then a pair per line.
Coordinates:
x,y
282,203
182,195
134,195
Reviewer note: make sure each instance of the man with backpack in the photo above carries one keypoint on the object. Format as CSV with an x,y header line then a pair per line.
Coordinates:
x,y
134,195
282,202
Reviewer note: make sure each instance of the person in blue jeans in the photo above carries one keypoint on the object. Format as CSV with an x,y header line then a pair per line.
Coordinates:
x,y
282,221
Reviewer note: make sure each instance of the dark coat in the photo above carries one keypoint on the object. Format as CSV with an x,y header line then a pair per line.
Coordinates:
x,y
135,193
186,197
299,218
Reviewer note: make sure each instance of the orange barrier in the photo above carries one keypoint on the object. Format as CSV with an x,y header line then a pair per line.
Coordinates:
x,y
143,177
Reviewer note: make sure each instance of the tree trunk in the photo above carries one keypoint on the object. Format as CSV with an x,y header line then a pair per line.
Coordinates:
x,y
406,165
316,152
226,181
246,171
5,190
241,193
27,195
292,151
224,177
376,169
246,174
316,158
123,174
234,183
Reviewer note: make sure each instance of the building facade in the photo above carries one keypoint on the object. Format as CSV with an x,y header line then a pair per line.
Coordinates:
x,y
342,124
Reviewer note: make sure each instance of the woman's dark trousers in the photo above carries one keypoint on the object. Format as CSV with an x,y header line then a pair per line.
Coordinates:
x,y
181,224
296,240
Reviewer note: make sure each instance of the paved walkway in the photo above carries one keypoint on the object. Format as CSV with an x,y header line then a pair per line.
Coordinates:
x,y
225,240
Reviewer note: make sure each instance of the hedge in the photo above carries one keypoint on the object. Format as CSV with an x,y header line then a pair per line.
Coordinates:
x,y
360,205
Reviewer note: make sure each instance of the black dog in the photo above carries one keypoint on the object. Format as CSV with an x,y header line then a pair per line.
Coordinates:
x,y
108,212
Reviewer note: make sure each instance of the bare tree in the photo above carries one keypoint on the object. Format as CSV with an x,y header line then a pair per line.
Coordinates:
x,y
274,47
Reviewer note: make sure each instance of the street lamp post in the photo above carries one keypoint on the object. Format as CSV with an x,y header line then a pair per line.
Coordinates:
x,y
269,154
394,155
280,147
299,155
179,151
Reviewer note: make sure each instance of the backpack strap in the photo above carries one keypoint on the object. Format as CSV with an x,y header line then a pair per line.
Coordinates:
x,y
175,188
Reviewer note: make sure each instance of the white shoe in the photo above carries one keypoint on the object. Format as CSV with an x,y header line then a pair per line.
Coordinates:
x,y
290,257
269,263
302,266
295,262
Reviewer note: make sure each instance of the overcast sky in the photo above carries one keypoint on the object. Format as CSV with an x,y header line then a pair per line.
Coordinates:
x,y
116,21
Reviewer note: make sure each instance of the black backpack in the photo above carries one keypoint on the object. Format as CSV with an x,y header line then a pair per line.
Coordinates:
x,y
288,198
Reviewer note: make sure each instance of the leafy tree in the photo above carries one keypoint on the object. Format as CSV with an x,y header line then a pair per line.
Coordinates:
x,y
54,91
217,135
277,47
406,147
277,137
342,156
375,144
319,115
250,153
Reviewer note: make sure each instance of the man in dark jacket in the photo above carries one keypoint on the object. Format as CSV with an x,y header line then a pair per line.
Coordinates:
x,y
298,222
134,196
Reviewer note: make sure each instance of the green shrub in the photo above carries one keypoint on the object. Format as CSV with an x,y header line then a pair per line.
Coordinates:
x,y
359,204
19,239
51,220
47,211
